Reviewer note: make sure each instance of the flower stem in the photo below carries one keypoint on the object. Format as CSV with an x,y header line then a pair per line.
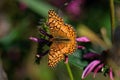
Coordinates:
x,y
69,71
112,14
114,66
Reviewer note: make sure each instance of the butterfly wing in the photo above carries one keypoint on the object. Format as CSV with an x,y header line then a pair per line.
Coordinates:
x,y
61,30
55,54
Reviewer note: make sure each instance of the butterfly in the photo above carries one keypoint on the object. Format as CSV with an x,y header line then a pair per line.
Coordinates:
x,y
63,41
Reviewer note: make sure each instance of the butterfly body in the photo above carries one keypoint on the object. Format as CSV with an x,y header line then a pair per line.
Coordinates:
x,y
63,41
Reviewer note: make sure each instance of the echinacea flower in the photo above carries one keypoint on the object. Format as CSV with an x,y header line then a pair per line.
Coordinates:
x,y
95,66
74,7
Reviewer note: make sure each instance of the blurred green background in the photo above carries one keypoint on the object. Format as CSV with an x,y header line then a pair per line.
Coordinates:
x,y
19,19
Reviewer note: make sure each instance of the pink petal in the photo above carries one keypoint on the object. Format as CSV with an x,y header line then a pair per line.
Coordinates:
x,y
97,69
111,74
91,55
33,39
82,39
81,47
89,68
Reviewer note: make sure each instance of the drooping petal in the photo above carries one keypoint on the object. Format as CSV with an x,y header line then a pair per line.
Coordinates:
x,y
81,47
111,74
89,68
91,55
97,69
82,39
34,39
38,39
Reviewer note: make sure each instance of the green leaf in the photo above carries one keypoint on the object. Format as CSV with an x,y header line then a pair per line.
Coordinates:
x,y
76,59
39,7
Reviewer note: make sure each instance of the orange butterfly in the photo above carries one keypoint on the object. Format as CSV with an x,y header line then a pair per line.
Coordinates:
x,y
63,41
